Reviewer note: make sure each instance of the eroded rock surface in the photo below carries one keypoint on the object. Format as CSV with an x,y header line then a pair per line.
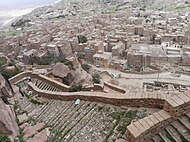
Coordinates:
x,y
8,123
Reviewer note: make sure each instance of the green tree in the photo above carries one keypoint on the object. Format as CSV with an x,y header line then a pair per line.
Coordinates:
x,y
96,78
3,61
85,67
82,39
77,88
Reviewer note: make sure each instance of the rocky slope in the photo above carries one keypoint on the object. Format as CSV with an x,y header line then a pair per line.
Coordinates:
x,y
67,8
8,123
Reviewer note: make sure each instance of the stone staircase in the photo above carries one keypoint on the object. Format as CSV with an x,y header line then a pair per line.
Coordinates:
x,y
88,121
171,124
177,131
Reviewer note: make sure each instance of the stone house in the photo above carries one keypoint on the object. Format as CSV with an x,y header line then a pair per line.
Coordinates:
x,y
102,59
118,49
53,50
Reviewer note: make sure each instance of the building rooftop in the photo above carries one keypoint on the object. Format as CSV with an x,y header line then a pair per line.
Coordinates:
x,y
103,55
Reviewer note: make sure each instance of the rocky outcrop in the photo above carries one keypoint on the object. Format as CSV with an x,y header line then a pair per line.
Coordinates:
x,y
74,76
20,23
80,75
63,72
8,123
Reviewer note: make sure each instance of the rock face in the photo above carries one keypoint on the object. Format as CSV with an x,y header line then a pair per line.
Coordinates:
x,y
81,76
8,123
75,76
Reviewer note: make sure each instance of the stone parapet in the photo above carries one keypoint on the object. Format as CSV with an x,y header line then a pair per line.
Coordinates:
x,y
116,88
143,129
25,75
134,99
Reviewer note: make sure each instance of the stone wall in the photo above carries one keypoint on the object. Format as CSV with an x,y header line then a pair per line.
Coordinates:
x,y
65,88
97,87
134,100
116,88
22,76
175,106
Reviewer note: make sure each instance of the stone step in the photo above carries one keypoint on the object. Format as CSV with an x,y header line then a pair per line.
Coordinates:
x,y
79,127
56,116
188,115
40,85
62,120
44,108
157,138
64,116
56,109
173,133
181,130
71,118
39,108
44,86
162,134
46,112
185,121
48,87
31,108
38,82
73,113
24,103
58,119
53,89
78,121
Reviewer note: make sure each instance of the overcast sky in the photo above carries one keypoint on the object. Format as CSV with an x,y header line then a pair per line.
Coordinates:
x,y
16,4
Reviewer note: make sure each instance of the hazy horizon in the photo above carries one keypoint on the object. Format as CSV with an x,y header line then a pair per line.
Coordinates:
x,y
22,4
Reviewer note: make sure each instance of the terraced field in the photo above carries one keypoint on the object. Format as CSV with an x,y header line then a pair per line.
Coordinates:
x,y
68,122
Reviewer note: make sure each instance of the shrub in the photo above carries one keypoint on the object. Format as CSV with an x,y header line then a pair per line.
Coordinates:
x,y
4,138
76,88
3,61
69,64
5,100
85,67
96,78
48,60
80,55
82,39
21,135
125,119
36,102
8,74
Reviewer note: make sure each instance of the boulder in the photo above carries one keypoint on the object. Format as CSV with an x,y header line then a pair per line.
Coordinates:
x,y
60,70
40,137
32,130
75,76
